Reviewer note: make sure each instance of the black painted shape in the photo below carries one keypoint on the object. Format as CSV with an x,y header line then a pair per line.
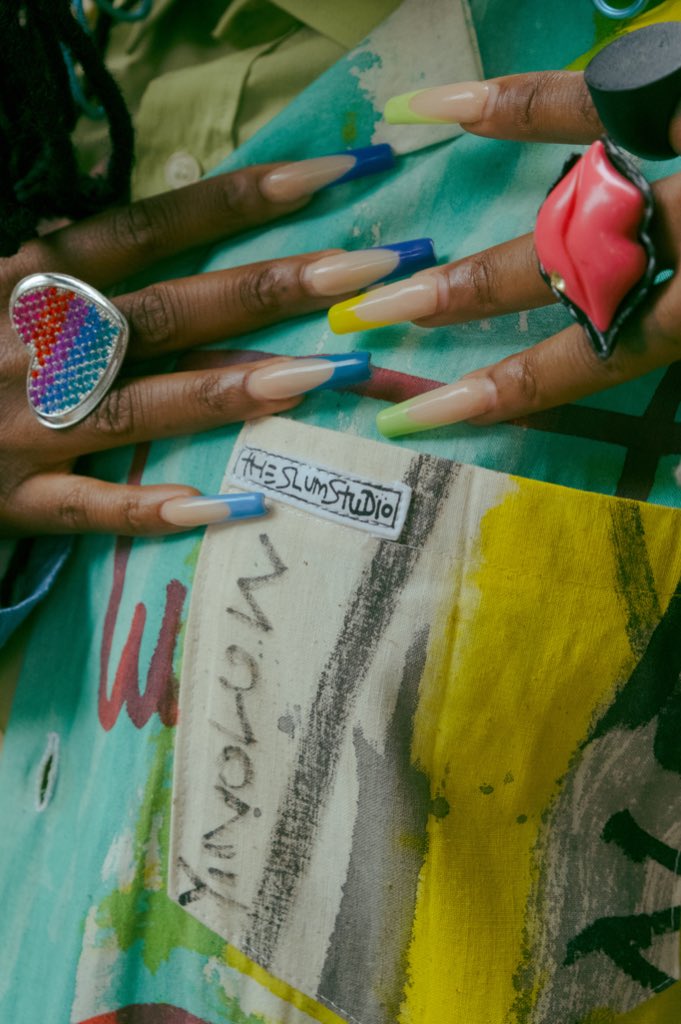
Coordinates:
x,y
636,844
653,690
622,939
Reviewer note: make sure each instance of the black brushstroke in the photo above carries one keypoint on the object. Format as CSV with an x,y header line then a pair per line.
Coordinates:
x,y
247,584
653,689
622,939
635,578
368,615
637,845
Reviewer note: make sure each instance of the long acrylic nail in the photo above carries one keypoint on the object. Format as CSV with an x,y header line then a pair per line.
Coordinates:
x,y
406,300
348,271
203,510
463,400
460,103
291,377
293,181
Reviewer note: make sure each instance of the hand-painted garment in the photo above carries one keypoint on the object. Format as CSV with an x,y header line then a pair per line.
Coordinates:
x,y
512,774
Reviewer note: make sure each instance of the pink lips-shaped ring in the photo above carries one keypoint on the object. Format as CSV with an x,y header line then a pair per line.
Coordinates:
x,y
592,241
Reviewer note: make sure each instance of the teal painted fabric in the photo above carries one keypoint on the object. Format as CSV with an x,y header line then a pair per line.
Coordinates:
x,y
87,928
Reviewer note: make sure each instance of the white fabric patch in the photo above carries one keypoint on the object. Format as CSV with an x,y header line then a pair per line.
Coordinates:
x,y
294,781
352,500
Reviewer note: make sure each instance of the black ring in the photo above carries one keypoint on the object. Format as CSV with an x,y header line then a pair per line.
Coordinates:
x,y
635,84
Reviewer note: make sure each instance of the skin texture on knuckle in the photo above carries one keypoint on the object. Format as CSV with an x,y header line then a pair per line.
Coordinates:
x,y
268,289
526,106
479,278
71,512
138,227
217,398
529,102
152,316
118,415
237,196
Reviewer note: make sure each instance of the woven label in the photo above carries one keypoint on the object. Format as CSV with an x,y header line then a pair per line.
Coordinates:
x,y
379,508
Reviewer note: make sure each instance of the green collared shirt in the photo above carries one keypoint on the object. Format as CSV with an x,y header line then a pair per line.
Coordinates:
x,y
202,77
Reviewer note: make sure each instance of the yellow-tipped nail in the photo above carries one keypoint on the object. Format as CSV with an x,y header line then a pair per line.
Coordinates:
x,y
405,300
344,320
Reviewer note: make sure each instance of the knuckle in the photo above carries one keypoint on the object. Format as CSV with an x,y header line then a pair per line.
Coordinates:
x,y
235,194
134,227
533,97
528,98
482,280
525,380
265,289
152,315
116,416
131,518
71,508
213,394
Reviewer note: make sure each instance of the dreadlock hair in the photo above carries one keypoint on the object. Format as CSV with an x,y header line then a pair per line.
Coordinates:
x,y
39,172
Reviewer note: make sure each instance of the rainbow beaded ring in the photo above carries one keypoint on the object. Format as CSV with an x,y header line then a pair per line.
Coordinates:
x,y
77,340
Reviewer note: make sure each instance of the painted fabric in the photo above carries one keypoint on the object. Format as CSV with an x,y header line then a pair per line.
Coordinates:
x,y
571,627
400,760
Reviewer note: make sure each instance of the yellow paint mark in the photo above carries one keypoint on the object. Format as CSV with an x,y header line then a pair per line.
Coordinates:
x,y
240,962
662,1009
349,129
516,672
670,10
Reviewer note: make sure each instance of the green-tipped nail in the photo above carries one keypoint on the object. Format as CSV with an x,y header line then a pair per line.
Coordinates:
x,y
398,110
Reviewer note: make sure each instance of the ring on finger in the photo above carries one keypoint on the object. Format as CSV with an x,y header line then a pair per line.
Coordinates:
x,y
77,341
593,242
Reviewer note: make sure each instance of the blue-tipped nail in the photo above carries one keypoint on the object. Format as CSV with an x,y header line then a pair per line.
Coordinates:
x,y
368,160
245,505
204,509
417,254
347,272
349,368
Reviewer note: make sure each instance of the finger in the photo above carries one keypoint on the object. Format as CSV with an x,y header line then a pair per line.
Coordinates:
x,y
542,106
126,240
499,280
560,369
67,503
186,312
149,408
119,243
196,310
565,367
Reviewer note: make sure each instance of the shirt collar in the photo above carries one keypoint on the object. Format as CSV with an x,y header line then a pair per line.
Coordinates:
x,y
345,23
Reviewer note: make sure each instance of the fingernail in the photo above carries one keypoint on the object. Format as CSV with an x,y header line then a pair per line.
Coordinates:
x,y
348,271
298,376
407,300
203,510
460,103
293,181
463,400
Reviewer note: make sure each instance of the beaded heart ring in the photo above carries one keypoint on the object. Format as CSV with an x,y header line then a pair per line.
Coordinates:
x,y
77,340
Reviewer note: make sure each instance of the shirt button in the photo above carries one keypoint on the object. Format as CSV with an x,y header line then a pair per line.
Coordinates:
x,y
181,169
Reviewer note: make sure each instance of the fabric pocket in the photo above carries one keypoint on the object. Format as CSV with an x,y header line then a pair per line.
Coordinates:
x,y
423,779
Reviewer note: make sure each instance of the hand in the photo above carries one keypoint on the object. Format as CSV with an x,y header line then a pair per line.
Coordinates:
x,y
550,106
39,492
